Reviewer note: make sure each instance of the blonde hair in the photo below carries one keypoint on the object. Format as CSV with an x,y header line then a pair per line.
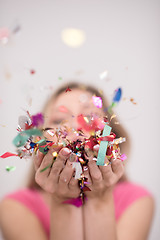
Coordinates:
x,y
116,128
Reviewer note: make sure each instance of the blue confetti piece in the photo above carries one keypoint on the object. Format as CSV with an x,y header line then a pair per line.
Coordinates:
x,y
103,146
117,95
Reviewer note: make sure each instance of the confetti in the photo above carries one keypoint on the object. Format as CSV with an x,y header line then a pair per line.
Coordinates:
x,y
103,75
117,95
30,138
116,98
74,201
10,169
32,71
67,89
2,125
113,116
97,101
4,35
78,169
103,146
37,120
132,100
8,154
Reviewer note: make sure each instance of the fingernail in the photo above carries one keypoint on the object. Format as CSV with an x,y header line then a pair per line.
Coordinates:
x,y
72,157
66,151
96,147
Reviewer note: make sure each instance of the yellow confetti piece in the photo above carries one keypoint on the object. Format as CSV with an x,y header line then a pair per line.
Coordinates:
x,y
54,154
2,125
86,119
113,116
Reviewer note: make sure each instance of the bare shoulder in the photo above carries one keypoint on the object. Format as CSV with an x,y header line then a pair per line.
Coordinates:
x,y
17,222
136,221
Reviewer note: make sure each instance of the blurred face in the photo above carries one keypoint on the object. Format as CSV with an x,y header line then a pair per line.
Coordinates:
x,y
67,106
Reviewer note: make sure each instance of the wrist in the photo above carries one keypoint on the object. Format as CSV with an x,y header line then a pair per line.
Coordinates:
x,y
100,199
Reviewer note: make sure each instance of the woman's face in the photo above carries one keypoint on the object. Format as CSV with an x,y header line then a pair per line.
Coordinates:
x,y
67,106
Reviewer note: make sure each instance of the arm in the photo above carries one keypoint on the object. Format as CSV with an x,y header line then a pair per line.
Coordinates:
x,y
66,222
99,216
18,223
66,219
99,219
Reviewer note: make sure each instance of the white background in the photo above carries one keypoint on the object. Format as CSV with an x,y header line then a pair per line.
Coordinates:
x,y
121,36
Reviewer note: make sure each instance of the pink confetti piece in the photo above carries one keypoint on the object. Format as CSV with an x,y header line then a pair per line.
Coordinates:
x,y
4,33
97,101
74,201
32,71
123,157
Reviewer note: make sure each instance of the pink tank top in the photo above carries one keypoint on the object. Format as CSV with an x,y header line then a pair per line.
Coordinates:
x,y
125,193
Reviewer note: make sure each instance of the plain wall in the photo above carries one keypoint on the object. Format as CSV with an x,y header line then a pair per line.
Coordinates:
x,y
121,36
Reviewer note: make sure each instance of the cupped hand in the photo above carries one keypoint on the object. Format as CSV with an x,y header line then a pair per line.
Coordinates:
x,y
57,179
102,178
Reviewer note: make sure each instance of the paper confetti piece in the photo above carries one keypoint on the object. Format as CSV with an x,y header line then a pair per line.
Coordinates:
x,y
8,154
74,201
21,138
103,146
2,125
68,89
32,71
78,169
117,95
132,100
4,35
10,169
103,75
97,101
46,167
113,116
123,157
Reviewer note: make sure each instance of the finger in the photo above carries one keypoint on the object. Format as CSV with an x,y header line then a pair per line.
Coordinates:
x,y
87,175
117,168
107,172
46,163
63,154
52,182
96,148
95,172
37,159
65,177
73,183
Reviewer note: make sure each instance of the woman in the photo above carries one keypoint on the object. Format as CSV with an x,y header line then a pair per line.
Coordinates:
x,y
115,209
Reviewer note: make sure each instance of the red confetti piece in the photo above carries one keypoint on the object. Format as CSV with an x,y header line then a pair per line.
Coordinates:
x,y
8,154
95,124
86,189
32,71
68,89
